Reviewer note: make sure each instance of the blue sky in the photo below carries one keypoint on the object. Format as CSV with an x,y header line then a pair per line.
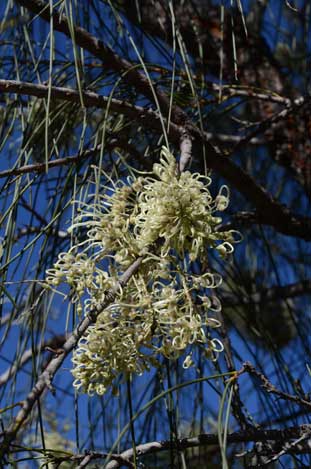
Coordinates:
x,y
279,270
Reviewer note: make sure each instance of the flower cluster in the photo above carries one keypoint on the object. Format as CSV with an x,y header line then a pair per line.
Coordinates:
x,y
164,308
178,210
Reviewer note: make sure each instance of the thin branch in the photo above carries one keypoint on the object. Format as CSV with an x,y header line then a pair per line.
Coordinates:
x,y
69,160
211,439
289,446
41,167
279,436
229,138
264,451
54,342
147,116
48,374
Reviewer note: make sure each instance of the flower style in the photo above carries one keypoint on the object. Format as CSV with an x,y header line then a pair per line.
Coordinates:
x,y
163,309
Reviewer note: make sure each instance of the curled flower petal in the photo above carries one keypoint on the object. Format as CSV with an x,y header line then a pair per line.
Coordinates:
x,y
164,308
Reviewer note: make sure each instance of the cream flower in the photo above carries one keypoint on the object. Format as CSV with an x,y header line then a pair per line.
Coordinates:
x,y
177,209
164,308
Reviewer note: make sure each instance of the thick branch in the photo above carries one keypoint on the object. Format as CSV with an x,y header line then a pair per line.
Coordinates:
x,y
147,117
268,210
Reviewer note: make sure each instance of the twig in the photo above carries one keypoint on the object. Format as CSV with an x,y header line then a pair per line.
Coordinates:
x,y
85,461
267,123
89,456
249,92
270,388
